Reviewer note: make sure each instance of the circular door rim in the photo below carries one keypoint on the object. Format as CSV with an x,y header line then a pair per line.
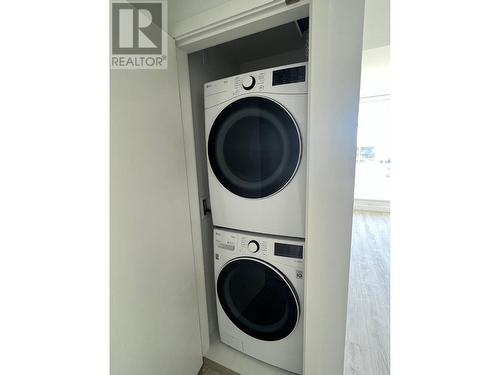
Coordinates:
x,y
297,128
279,273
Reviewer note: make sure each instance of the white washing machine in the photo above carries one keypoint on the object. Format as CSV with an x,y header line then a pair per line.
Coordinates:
x,y
255,136
260,287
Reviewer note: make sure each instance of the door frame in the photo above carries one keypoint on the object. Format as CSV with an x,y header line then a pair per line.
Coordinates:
x,y
335,50
329,205
234,19
221,24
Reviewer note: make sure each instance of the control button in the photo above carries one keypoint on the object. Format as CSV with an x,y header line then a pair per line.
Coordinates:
x,y
248,82
253,246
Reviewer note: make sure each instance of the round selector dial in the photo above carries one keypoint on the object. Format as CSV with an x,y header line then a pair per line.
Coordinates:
x,y
248,82
253,246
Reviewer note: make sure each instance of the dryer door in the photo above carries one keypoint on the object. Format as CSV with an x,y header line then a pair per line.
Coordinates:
x,y
258,298
254,147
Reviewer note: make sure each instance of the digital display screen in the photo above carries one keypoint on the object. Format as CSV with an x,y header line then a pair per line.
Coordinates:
x,y
290,251
289,75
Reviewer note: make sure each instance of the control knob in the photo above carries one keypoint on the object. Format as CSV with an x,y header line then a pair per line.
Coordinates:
x,y
253,246
248,82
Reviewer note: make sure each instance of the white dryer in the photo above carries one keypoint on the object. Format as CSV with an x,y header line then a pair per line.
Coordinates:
x,y
255,136
260,288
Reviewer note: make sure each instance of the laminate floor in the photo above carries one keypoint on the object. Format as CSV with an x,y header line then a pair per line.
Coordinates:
x,y
368,312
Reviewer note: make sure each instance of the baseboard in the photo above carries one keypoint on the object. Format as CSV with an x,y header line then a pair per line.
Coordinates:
x,y
372,205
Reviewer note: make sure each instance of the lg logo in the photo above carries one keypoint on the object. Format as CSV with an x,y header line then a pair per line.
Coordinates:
x,y
138,30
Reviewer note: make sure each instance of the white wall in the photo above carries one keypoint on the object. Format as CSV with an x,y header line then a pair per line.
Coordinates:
x,y
206,66
375,81
289,57
375,72
376,29
154,325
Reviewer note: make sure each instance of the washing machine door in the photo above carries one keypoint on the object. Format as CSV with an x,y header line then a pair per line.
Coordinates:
x,y
258,298
254,147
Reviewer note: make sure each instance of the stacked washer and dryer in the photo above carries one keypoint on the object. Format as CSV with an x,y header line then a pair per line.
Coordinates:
x,y
255,132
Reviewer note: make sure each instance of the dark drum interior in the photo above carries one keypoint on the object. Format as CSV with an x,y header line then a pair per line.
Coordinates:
x,y
258,299
254,147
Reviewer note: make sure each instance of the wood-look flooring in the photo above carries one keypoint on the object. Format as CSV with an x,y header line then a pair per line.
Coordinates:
x,y
368,313
368,310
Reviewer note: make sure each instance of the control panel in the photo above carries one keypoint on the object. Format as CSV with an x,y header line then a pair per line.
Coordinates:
x,y
289,251
284,80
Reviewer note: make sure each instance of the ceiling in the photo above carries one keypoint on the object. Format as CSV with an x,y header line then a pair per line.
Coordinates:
x,y
376,25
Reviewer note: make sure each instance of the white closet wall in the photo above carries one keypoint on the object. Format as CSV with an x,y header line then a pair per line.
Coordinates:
x,y
289,57
154,310
205,66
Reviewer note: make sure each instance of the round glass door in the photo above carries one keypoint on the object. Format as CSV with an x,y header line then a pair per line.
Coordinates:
x,y
254,147
258,299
